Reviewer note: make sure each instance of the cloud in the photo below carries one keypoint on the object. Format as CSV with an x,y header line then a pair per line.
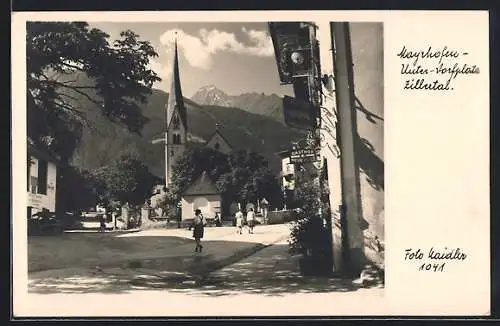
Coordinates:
x,y
263,44
199,50
163,71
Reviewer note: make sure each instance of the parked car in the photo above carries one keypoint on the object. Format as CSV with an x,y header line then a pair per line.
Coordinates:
x,y
45,223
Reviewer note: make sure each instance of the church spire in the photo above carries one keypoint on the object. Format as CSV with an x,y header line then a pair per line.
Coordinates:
x,y
175,98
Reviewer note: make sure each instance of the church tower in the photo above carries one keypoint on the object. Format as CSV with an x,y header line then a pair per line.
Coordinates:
x,y
176,121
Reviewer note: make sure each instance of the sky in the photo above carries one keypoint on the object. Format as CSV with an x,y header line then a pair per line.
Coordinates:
x,y
235,57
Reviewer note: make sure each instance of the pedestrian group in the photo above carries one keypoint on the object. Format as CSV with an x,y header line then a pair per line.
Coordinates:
x,y
199,222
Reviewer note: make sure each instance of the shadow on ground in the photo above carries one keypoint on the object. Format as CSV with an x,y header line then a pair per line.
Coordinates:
x,y
84,249
199,275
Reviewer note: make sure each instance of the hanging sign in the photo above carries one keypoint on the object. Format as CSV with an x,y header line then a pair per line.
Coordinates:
x,y
303,155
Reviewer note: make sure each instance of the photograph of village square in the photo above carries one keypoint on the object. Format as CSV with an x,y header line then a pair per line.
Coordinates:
x,y
205,158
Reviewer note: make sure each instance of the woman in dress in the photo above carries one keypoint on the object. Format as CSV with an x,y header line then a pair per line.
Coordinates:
x,y
198,229
251,220
239,221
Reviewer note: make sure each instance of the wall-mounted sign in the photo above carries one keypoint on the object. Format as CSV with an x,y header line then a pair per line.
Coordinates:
x,y
292,49
304,155
36,201
298,114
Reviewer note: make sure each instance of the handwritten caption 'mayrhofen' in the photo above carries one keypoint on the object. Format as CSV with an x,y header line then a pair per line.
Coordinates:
x,y
434,69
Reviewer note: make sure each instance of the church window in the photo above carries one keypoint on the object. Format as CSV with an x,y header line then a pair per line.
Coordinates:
x,y
175,122
217,146
177,139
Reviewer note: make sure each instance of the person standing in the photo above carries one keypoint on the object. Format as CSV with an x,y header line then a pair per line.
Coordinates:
x,y
125,214
239,221
265,206
113,219
217,219
198,229
250,220
102,223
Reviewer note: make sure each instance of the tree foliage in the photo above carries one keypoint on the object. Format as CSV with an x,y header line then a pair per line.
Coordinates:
x,y
68,62
241,176
126,179
75,190
310,233
193,163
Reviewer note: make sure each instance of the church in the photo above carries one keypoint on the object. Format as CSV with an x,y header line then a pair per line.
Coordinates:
x,y
176,124
202,194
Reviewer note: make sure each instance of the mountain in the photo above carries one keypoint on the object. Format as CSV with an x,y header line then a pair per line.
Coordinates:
x,y
211,95
267,105
244,130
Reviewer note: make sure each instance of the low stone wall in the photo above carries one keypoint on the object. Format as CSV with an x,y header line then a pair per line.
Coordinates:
x,y
278,217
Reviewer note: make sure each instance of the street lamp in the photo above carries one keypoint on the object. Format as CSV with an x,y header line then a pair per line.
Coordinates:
x,y
297,56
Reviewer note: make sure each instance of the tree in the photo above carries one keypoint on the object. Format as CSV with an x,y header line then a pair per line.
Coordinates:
x,y
241,176
68,62
80,191
250,178
126,179
192,164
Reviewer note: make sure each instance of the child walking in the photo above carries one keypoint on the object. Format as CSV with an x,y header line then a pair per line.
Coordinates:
x,y
250,220
198,229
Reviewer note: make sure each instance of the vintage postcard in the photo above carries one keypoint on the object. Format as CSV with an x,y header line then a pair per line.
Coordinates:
x,y
263,163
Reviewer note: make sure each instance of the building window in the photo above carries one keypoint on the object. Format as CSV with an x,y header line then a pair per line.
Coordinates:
x,y
177,139
175,122
217,146
42,176
34,184
28,178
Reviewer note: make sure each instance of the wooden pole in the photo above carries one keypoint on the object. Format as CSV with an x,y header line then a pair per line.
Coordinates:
x,y
346,136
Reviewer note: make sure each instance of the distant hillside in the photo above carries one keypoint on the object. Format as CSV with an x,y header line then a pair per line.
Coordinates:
x,y
244,130
267,105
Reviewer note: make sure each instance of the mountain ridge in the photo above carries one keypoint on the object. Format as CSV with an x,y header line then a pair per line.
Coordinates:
x,y
269,105
243,129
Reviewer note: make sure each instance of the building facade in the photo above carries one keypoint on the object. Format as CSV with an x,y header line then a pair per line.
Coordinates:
x,y
41,180
202,195
362,175
218,142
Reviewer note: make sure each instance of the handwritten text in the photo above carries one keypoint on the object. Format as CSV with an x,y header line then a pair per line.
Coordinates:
x,y
434,69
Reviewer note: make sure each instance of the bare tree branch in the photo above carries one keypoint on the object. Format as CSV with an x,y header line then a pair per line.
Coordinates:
x,y
77,89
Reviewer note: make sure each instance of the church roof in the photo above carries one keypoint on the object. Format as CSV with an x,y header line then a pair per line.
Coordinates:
x,y
175,98
217,132
202,186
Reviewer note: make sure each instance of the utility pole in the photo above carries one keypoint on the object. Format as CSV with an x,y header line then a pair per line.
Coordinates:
x,y
352,237
330,151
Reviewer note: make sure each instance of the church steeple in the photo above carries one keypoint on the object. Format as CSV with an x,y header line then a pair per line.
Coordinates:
x,y
175,98
176,121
